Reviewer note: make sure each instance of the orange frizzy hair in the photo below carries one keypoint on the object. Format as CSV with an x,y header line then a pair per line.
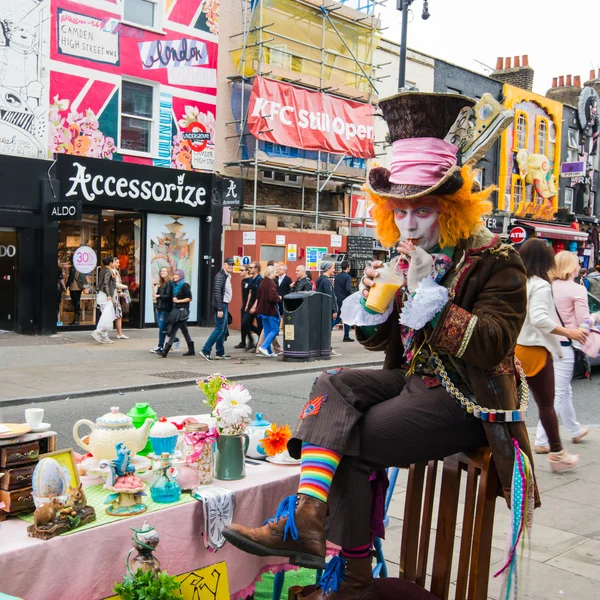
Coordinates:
x,y
460,213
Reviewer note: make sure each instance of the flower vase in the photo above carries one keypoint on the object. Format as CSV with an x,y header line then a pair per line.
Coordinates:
x,y
231,456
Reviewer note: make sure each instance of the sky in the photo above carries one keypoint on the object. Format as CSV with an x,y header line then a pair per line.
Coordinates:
x,y
559,37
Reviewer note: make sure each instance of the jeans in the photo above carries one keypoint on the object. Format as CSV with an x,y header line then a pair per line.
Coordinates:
x,y
161,321
337,320
271,329
218,334
563,397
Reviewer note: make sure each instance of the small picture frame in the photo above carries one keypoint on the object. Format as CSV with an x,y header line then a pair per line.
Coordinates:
x,y
65,458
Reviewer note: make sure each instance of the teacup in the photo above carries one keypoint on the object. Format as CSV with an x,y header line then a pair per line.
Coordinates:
x,y
34,416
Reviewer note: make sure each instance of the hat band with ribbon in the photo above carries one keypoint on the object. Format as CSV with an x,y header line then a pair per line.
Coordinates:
x,y
421,161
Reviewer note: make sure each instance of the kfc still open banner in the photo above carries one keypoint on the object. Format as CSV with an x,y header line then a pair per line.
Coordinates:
x,y
291,116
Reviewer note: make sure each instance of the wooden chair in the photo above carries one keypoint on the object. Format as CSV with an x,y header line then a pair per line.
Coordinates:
x,y
482,488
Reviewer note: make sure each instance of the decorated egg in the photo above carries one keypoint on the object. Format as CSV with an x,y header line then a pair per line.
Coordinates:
x,y
50,480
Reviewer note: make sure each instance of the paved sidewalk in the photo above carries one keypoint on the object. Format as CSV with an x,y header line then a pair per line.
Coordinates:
x,y
73,364
565,551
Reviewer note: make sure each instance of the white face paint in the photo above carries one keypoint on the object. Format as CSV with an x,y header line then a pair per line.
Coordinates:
x,y
418,222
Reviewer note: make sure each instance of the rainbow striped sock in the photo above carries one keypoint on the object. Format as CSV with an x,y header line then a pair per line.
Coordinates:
x,y
357,552
317,470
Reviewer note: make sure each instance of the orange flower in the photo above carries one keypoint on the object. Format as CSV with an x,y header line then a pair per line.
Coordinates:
x,y
276,440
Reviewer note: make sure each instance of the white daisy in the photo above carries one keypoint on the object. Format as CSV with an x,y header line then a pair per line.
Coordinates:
x,y
232,407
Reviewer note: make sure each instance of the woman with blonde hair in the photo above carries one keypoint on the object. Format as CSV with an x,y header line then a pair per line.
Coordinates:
x,y
164,305
543,341
571,304
268,310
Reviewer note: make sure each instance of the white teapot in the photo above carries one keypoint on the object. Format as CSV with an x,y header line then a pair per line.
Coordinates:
x,y
256,432
109,430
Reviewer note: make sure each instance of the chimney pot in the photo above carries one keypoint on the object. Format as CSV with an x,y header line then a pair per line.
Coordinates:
x,y
561,81
569,80
517,61
554,82
598,73
577,81
507,62
525,60
499,64
592,74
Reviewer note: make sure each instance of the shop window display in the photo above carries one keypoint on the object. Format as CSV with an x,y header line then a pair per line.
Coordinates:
x,y
77,304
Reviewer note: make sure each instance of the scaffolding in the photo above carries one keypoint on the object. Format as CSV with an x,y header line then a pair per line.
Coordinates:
x,y
269,50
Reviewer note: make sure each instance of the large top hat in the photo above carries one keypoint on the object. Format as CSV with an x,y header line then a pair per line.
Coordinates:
x,y
424,161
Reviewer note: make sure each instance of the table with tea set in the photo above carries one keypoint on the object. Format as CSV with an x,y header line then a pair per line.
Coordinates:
x,y
76,543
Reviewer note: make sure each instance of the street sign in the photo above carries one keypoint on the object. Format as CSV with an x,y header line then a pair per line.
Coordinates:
x,y
572,169
517,235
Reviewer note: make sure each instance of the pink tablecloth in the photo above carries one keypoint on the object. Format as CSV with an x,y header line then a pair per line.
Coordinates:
x,y
85,565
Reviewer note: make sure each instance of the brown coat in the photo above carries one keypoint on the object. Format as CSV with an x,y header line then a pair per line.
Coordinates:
x,y
267,298
478,331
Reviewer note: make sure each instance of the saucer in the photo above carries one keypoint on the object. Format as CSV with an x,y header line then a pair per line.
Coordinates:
x,y
280,460
41,428
10,430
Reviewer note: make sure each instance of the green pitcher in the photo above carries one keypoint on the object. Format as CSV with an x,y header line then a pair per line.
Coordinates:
x,y
231,457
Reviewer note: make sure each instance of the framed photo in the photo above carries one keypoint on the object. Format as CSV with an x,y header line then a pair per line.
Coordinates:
x,y
66,459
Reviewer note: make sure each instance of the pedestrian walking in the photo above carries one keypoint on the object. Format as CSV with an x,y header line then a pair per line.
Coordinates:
x,y
76,282
283,280
164,306
302,283
250,321
572,307
324,286
221,297
594,280
245,285
120,296
268,310
582,278
106,293
342,288
539,344
179,315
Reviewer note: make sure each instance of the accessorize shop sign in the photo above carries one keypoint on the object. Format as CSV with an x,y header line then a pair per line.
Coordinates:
x,y
291,116
113,184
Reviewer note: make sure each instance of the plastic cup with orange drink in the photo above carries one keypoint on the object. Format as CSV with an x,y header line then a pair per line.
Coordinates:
x,y
384,289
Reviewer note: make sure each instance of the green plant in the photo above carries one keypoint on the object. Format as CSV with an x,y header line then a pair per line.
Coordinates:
x,y
146,585
211,386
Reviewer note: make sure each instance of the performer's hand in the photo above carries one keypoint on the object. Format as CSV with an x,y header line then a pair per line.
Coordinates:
x,y
420,264
577,335
369,276
219,314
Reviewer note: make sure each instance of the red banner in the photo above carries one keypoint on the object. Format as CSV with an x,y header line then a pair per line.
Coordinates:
x,y
291,116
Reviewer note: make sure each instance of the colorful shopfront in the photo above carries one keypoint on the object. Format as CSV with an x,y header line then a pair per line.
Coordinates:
x,y
530,156
149,218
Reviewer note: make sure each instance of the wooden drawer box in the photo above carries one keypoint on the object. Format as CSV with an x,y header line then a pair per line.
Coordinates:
x,y
16,477
17,500
19,454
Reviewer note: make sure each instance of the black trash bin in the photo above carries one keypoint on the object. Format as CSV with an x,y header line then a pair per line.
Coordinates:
x,y
306,326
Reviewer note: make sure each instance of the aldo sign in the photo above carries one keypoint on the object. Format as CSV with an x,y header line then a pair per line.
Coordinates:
x,y
62,211
120,185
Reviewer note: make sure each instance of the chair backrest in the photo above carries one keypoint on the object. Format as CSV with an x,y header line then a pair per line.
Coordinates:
x,y
482,487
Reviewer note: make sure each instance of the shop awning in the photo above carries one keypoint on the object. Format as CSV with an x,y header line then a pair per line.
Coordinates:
x,y
556,232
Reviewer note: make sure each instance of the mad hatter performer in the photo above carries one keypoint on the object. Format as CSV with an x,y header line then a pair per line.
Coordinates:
x,y
449,380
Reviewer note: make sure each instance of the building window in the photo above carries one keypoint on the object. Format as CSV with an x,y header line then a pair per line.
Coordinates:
x,y
279,56
138,117
520,136
145,13
569,199
517,192
541,141
290,179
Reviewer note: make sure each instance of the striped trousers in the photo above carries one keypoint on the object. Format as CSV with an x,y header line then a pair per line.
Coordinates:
x,y
378,419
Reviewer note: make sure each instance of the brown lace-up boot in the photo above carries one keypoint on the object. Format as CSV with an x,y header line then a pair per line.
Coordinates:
x,y
296,531
346,579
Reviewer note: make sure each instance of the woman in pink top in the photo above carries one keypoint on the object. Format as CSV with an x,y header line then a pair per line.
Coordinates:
x,y
571,303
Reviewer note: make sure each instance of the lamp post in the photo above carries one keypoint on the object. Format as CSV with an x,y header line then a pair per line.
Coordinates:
x,y
404,5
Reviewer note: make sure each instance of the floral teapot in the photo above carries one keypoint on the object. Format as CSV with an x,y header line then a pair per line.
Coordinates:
x,y
109,430
257,431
